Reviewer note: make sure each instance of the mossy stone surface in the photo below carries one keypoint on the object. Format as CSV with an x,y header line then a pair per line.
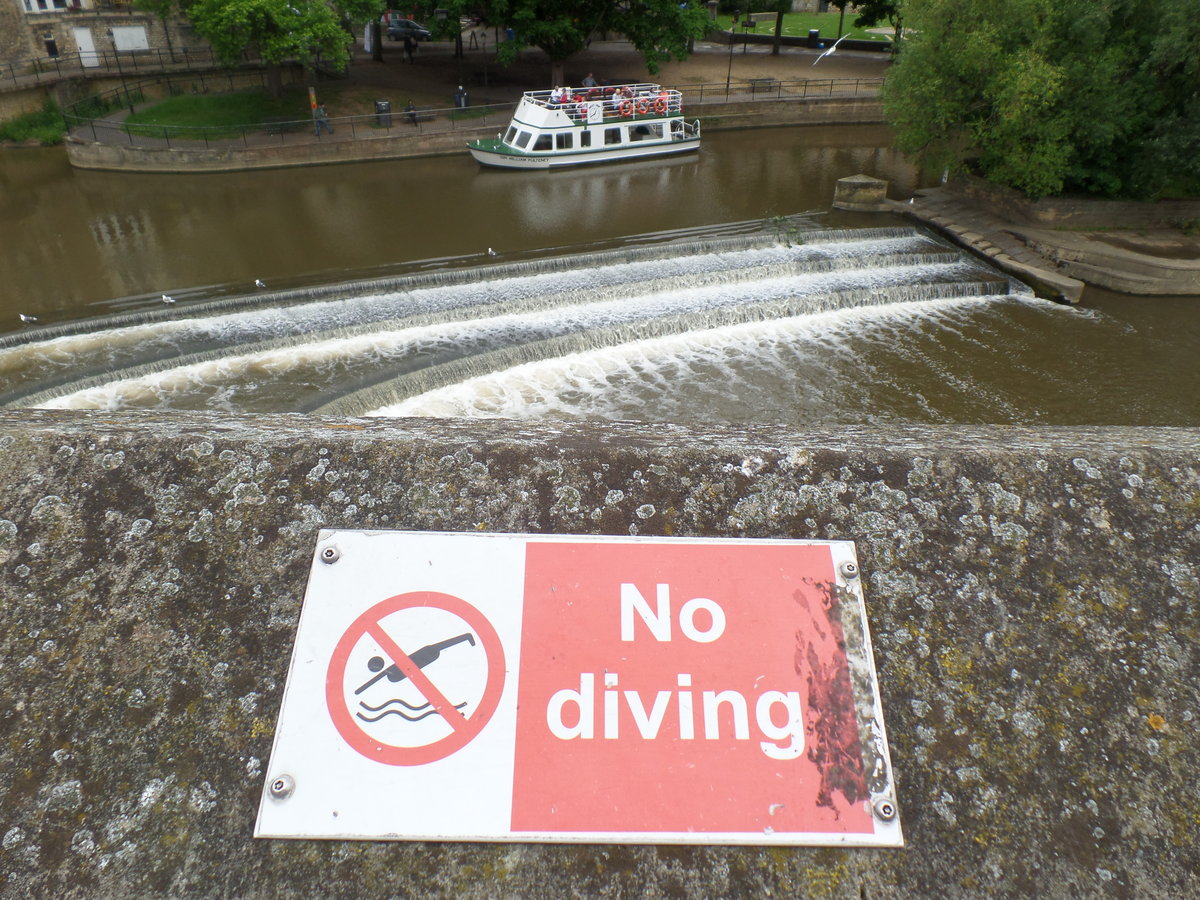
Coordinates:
x,y
1033,598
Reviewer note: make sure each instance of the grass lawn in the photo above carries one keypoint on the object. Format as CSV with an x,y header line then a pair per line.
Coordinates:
x,y
217,115
799,24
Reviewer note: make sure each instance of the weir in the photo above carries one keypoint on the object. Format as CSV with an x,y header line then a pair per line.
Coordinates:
x,y
1032,596
360,347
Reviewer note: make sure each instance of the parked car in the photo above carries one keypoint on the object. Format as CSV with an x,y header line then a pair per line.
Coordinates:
x,y
398,28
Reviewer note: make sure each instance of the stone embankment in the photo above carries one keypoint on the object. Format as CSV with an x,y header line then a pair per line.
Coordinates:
x,y
1054,245
1032,594
1063,243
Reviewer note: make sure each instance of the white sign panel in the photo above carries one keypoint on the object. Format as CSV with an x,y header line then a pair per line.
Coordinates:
x,y
557,688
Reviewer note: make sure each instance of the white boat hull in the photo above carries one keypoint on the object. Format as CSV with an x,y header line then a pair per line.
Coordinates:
x,y
509,160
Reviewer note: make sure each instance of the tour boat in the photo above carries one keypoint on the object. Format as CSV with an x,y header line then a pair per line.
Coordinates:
x,y
578,126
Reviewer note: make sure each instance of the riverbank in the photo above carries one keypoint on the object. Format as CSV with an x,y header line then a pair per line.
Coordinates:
x,y
1065,243
1137,254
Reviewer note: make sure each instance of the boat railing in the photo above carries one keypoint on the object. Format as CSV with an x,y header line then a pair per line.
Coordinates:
x,y
611,94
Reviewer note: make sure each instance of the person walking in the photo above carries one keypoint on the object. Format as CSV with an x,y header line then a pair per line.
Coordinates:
x,y
321,120
410,47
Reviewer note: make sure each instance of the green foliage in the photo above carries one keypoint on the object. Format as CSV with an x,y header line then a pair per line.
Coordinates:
x,y
1048,96
46,126
872,12
279,30
657,28
216,115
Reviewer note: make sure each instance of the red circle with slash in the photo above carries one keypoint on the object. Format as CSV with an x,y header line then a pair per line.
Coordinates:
x,y
463,729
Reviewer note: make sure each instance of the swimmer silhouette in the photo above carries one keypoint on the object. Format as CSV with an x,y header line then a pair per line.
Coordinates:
x,y
421,658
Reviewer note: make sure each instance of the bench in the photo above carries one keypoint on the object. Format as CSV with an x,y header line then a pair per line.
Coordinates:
x,y
750,23
763,85
421,113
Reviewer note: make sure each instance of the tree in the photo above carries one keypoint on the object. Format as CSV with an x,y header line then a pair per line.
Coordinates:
x,y
872,12
1048,96
561,28
278,30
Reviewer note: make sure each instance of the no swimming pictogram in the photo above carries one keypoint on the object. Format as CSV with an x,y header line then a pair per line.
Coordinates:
x,y
415,678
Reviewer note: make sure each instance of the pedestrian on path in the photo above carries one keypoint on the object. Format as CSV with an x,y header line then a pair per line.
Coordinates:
x,y
321,120
410,47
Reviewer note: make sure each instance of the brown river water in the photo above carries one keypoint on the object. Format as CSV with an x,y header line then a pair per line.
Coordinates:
x,y
720,288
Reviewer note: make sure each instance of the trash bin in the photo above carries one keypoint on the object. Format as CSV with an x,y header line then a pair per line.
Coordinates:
x,y
383,113
814,38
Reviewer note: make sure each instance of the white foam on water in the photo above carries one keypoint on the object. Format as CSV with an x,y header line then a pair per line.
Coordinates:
x,y
581,385
237,377
249,325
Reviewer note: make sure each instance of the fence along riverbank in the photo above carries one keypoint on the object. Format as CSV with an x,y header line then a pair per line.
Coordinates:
x,y
106,142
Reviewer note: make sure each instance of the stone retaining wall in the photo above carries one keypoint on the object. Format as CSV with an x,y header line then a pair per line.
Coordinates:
x,y
401,144
1081,212
1033,596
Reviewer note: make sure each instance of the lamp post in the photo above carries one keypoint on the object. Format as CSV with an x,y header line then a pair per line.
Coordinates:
x,y
729,71
120,71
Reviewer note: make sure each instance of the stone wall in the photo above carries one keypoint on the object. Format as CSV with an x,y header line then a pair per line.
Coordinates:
x,y
1077,212
1033,596
400,142
23,41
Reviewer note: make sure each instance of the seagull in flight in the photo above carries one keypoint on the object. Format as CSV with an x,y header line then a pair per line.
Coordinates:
x,y
27,320
831,49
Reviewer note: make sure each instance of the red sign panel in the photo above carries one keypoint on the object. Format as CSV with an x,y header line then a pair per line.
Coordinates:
x,y
685,688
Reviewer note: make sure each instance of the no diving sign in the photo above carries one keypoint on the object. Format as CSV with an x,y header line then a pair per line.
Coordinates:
x,y
555,688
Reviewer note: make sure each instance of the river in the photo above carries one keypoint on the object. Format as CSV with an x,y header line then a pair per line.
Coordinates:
x,y
715,289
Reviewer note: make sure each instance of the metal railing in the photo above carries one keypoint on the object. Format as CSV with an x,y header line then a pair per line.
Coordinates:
x,y
91,117
50,69
398,123
773,88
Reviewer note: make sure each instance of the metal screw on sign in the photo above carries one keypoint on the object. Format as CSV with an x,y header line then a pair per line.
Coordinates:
x,y
885,809
330,555
282,787
848,570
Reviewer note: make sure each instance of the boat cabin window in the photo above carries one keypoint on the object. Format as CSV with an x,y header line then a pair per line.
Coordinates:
x,y
523,139
645,132
612,135
543,142
585,139
562,141
508,136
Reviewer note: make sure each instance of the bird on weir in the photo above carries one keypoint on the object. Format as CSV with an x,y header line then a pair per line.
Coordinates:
x,y
28,320
259,283
167,298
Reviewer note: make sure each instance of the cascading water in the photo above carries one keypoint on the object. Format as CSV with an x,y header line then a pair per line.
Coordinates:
x,y
815,325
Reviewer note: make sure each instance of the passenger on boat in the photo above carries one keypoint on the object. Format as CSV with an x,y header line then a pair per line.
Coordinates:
x,y
558,96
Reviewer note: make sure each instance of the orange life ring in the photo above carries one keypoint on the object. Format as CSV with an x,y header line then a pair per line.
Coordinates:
x,y
660,105
643,106
627,108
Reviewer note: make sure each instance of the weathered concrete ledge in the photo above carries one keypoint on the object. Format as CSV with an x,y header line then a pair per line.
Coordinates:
x,y
1033,596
